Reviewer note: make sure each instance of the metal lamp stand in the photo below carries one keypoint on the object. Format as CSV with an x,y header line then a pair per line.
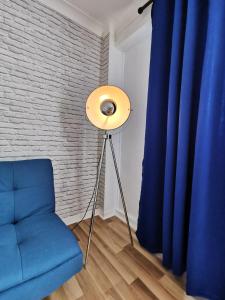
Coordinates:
x,y
107,137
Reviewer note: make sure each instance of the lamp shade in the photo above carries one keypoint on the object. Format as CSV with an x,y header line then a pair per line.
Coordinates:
x,y
108,107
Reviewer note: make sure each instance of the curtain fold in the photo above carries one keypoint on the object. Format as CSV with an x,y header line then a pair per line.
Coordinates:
x,y
182,205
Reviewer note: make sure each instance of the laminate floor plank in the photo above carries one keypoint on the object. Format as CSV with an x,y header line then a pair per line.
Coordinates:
x,y
149,280
118,240
117,271
112,294
104,264
174,288
72,289
88,286
123,270
141,291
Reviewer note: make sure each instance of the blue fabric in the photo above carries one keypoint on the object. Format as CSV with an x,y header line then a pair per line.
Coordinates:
x,y
182,205
41,286
26,188
35,244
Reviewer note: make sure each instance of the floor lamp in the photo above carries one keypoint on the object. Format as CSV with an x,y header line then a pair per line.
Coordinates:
x,y
107,108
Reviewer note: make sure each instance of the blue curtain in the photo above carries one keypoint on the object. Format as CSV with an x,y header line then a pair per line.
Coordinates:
x,y
182,205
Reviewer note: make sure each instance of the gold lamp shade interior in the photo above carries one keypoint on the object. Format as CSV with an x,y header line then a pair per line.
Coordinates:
x,y
108,107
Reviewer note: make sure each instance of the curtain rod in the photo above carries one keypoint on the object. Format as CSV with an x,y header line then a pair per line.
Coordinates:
x,y
142,8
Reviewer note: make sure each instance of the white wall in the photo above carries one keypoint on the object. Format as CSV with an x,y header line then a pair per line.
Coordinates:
x,y
115,77
136,51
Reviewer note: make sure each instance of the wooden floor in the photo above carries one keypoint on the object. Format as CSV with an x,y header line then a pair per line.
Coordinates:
x,y
117,271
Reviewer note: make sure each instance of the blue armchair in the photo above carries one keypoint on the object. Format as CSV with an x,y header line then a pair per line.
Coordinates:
x,y
38,253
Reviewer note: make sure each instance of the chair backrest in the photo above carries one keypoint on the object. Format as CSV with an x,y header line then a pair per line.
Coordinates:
x,y
26,189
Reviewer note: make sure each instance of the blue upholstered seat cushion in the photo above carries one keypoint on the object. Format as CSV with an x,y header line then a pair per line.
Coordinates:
x,y
34,246
26,188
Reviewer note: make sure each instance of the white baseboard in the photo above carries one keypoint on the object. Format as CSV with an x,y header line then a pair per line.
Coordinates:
x,y
133,221
77,218
107,214
104,215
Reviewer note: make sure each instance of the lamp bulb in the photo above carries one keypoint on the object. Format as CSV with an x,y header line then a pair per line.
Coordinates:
x,y
108,107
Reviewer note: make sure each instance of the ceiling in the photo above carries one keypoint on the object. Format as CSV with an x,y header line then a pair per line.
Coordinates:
x,y
101,10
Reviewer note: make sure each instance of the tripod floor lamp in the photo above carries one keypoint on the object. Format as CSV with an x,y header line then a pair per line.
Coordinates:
x,y
107,108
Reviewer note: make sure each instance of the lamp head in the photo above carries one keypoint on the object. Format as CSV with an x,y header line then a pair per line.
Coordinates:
x,y
108,107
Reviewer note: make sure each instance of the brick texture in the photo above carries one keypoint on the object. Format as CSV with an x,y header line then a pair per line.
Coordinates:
x,y
48,66
104,66
104,60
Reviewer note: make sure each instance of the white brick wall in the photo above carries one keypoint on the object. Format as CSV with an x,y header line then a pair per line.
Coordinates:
x,y
104,66
48,66
104,60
